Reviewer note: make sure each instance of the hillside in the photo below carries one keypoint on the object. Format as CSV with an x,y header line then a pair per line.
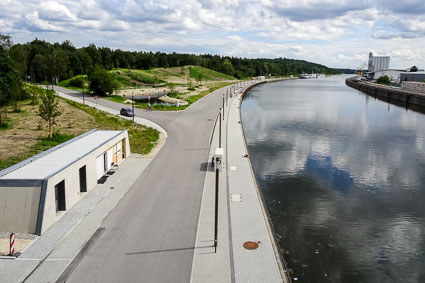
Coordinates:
x,y
36,58
184,84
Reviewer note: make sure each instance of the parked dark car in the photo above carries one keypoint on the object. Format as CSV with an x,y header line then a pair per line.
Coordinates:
x,y
126,112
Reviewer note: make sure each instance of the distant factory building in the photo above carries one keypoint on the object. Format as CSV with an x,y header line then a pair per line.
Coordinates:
x,y
412,77
378,63
394,75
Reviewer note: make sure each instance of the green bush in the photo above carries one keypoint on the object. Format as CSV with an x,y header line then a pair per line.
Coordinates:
x,y
384,80
76,82
102,83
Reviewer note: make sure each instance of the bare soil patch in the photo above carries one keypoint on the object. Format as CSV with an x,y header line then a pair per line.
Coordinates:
x,y
27,127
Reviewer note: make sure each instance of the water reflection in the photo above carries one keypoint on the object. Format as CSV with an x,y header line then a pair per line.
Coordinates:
x,y
343,176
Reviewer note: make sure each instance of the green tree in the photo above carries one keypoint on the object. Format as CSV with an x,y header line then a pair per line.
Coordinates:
x,y
101,82
384,80
172,88
10,82
414,69
5,43
49,109
227,68
199,78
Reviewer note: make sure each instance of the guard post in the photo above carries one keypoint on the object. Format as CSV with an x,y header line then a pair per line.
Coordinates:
x,y
12,243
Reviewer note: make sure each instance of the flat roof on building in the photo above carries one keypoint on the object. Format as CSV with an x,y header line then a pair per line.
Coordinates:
x,y
58,158
413,73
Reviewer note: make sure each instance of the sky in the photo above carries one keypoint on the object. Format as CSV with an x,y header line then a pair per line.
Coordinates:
x,y
336,33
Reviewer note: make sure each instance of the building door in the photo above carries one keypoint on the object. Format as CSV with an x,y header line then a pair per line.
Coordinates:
x,y
60,196
100,166
105,162
109,159
83,179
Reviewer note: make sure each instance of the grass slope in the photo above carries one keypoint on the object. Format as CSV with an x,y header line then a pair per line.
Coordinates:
x,y
139,78
26,134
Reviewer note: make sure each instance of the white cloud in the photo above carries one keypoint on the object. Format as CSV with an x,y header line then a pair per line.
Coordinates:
x,y
52,10
36,24
332,32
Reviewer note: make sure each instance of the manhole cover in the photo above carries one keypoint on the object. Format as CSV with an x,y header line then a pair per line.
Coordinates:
x,y
236,198
250,245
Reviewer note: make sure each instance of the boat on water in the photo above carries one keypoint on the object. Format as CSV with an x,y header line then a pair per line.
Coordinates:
x,y
308,76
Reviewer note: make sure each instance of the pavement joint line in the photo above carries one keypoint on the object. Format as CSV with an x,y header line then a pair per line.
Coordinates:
x,y
229,221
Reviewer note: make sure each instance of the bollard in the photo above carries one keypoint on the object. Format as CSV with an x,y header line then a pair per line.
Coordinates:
x,y
12,244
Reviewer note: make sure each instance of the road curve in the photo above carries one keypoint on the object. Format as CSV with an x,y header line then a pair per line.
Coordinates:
x,y
150,235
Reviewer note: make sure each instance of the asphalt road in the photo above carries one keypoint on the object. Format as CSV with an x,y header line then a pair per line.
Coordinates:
x,y
150,235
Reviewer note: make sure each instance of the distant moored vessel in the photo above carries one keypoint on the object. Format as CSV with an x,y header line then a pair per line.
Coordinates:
x,y
308,76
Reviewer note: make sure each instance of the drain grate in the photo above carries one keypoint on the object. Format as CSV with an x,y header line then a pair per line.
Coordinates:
x,y
250,245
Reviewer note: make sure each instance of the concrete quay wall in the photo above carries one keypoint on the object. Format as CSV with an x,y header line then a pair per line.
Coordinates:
x,y
387,93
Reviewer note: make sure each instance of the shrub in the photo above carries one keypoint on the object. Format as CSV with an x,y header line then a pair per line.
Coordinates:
x,y
384,80
76,82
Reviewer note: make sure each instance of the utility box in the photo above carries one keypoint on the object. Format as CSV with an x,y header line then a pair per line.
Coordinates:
x,y
218,159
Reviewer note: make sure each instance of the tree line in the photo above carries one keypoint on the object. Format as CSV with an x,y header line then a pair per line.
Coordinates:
x,y
41,61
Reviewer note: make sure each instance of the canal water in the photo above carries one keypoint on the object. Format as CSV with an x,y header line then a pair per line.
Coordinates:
x,y
343,177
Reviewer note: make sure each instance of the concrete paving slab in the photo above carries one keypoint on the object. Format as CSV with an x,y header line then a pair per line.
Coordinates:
x,y
209,266
241,203
49,255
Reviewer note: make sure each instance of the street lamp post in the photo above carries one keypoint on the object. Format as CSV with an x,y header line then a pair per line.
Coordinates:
x,y
216,209
219,133
223,107
132,105
84,98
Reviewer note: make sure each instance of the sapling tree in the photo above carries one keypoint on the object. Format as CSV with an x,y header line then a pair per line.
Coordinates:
x,y
49,109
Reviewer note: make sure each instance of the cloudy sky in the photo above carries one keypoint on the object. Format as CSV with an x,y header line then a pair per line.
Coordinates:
x,y
337,33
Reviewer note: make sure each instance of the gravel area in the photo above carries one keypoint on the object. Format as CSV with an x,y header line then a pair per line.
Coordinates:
x,y
23,236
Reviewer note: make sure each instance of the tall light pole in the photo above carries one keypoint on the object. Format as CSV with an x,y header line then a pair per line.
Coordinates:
x,y
132,105
223,107
219,133
84,99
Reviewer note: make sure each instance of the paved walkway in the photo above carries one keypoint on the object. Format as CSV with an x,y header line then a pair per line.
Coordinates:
x,y
163,250
241,216
52,252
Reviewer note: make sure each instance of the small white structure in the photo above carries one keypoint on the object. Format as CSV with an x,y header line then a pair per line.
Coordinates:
x,y
218,159
36,192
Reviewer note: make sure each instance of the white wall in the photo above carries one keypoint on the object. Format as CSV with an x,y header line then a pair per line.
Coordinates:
x,y
394,75
72,181
19,209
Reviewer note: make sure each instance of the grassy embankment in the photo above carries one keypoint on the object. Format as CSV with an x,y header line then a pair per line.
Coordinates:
x,y
188,83
26,134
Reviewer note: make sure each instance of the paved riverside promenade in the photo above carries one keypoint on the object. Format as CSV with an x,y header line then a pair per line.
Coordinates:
x,y
152,234
239,220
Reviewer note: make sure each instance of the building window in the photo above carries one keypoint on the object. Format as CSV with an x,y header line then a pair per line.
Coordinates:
x,y
83,179
60,196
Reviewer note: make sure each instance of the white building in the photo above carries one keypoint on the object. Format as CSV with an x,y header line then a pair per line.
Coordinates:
x,y
36,192
394,75
378,63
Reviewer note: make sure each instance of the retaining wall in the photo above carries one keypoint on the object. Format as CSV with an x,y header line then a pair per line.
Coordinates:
x,y
387,93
